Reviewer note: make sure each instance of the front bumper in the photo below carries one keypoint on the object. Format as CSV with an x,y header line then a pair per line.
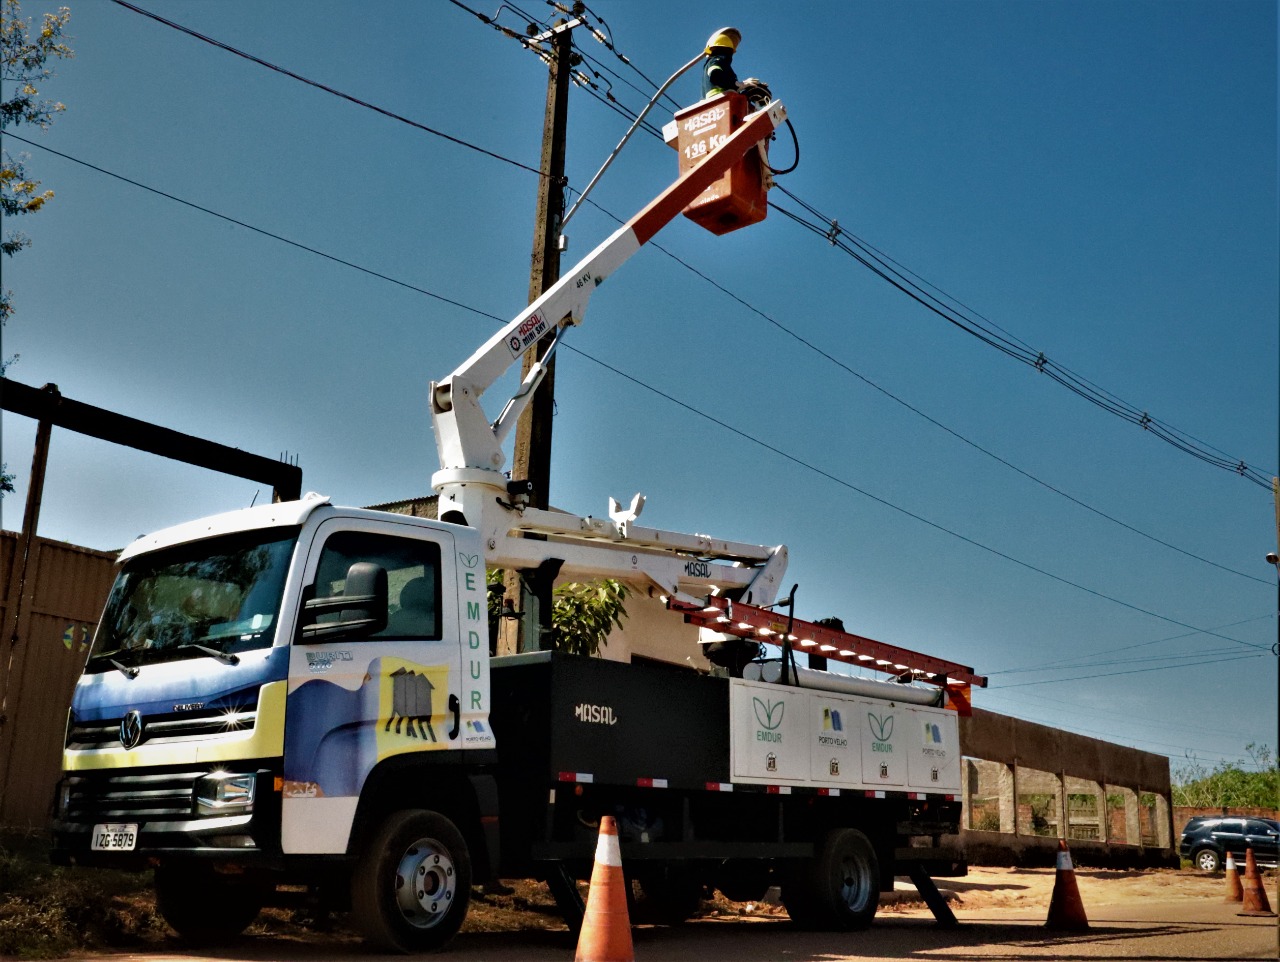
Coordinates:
x,y
171,821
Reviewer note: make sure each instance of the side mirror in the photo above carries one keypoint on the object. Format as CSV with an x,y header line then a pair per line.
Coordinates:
x,y
361,608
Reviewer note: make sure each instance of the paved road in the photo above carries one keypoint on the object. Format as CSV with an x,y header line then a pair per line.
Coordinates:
x,y
1184,929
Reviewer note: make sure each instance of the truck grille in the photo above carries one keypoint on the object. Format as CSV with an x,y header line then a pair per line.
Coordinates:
x,y
94,798
168,727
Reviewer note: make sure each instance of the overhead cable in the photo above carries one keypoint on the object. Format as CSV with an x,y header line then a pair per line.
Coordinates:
x,y
989,333
327,89
674,400
1132,671
901,510
256,230
888,270
1003,343
932,420
1112,650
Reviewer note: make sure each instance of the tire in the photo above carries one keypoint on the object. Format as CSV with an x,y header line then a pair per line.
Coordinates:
x,y
839,888
419,846
671,895
203,907
1207,860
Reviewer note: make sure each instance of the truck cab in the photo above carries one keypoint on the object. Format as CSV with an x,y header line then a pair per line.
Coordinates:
x,y
255,673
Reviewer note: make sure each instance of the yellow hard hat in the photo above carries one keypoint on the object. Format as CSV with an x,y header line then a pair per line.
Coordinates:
x,y
725,37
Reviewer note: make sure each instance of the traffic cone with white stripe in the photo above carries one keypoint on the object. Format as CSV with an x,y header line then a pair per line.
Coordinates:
x,y
606,928
1234,892
1255,893
1066,911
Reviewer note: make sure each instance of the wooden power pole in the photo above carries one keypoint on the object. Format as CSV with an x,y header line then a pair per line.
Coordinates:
x,y
531,460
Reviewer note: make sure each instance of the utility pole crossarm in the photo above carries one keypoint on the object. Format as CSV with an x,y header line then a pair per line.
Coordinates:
x,y
458,434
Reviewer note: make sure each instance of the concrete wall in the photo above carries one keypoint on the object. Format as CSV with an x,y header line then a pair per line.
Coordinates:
x,y
1029,785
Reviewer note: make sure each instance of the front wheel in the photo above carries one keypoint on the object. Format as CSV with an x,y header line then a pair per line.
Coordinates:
x,y
1207,860
839,888
412,882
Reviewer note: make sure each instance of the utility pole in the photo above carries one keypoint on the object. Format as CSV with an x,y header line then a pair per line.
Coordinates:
x,y
1273,557
18,598
531,460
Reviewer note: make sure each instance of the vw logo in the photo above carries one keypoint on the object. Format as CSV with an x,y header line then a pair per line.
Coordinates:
x,y
131,729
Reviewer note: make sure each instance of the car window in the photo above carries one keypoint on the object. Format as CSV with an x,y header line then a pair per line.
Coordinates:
x,y
1257,827
1230,826
413,578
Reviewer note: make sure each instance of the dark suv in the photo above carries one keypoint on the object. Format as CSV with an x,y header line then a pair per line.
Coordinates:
x,y
1207,839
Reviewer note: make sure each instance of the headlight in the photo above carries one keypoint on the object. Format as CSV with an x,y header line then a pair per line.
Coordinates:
x,y
223,792
62,802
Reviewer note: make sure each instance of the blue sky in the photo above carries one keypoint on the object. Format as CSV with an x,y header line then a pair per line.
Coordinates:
x,y
1097,179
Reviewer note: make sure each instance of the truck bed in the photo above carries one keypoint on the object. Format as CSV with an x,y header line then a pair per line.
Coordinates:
x,y
654,745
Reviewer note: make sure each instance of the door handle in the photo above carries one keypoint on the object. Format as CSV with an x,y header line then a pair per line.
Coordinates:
x,y
455,706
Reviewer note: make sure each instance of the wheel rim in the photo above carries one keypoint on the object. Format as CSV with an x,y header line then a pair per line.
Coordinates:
x,y
1208,861
855,884
425,883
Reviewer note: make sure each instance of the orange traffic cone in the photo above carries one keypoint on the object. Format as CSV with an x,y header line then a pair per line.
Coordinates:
x,y
1066,911
1234,892
606,929
1255,893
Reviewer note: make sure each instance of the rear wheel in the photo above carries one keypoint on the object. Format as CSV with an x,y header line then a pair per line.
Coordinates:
x,y
839,888
205,908
1207,860
412,882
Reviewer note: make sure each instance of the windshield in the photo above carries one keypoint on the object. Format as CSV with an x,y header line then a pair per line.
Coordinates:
x,y
210,597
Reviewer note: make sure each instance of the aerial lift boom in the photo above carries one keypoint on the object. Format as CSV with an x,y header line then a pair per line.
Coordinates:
x,y
473,488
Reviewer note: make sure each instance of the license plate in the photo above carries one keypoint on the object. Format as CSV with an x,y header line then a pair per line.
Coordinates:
x,y
114,837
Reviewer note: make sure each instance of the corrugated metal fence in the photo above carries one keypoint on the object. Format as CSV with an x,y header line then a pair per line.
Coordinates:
x,y
40,658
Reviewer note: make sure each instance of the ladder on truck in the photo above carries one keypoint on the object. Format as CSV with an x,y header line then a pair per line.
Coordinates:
x,y
723,616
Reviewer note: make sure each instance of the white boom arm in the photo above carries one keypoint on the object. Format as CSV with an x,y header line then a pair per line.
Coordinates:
x,y
470,481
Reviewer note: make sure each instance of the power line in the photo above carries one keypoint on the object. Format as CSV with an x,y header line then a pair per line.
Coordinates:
x,y
608,44
1113,650
1004,341
920,413
1169,658
1132,671
530,22
626,113
612,103
622,110
327,89
901,510
1092,712
688,407
988,332
869,257
256,230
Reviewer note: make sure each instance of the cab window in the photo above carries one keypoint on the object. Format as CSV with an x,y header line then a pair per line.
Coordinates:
x,y
413,579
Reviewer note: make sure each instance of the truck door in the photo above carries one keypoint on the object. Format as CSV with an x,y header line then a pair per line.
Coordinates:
x,y
354,702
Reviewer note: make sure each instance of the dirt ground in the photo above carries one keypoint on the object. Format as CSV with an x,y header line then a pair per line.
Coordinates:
x,y
524,915
985,888
529,905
